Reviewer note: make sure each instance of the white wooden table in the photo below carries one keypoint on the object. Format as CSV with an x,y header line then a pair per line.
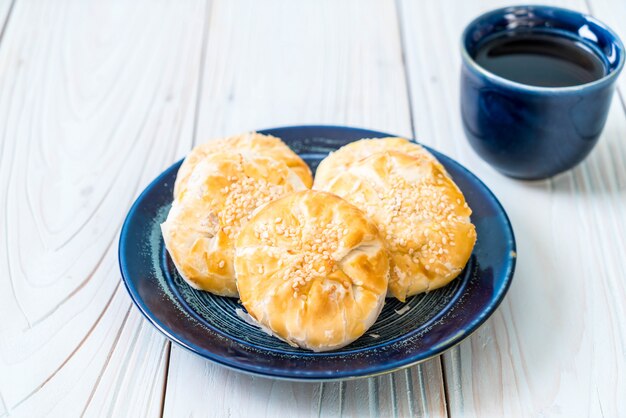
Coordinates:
x,y
96,98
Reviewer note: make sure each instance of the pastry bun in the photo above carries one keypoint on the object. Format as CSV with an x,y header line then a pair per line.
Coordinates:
x,y
313,269
220,196
421,213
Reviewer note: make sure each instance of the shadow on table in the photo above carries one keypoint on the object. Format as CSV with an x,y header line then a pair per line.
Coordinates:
x,y
603,172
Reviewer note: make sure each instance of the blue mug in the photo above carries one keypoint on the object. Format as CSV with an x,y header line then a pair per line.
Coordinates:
x,y
531,132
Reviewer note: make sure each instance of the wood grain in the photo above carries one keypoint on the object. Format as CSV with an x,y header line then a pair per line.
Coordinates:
x,y
283,63
95,100
557,345
5,8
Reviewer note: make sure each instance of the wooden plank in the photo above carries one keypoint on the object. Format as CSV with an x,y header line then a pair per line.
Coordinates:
x,y
95,100
5,11
556,346
280,63
200,388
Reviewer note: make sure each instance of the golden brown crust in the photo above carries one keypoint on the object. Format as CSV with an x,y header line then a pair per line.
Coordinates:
x,y
340,160
221,194
420,212
252,143
312,268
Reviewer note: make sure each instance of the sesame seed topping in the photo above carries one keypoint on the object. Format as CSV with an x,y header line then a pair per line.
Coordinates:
x,y
244,195
313,258
415,212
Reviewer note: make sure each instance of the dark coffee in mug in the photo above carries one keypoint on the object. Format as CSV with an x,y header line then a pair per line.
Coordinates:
x,y
540,59
536,86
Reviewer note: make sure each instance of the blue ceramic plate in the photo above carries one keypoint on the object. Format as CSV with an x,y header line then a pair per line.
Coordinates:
x,y
404,334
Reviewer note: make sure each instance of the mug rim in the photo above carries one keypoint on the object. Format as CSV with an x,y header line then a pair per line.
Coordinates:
x,y
473,65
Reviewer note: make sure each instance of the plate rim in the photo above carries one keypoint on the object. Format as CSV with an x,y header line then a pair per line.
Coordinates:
x,y
429,353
